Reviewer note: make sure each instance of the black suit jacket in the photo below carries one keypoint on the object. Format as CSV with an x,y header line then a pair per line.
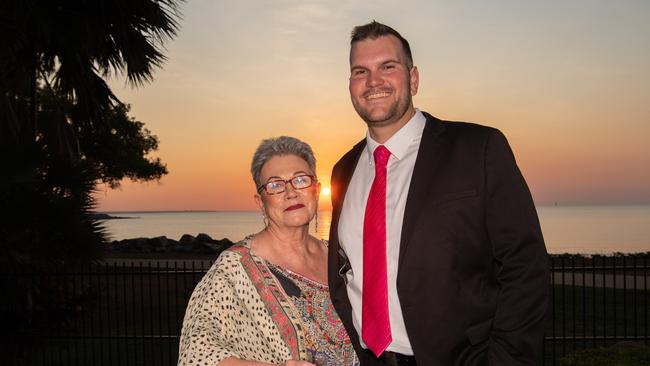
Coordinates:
x,y
473,271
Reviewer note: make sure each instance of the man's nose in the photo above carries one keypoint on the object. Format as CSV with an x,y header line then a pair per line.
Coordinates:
x,y
374,79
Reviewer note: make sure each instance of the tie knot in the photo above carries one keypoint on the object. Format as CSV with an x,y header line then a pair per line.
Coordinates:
x,y
381,156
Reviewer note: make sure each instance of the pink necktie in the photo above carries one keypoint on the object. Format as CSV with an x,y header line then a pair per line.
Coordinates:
x,y
375,324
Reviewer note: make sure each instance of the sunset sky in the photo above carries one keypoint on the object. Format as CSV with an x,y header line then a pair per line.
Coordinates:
x,y
568,82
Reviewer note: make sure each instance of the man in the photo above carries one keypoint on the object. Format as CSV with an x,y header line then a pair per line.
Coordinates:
x,y
436,253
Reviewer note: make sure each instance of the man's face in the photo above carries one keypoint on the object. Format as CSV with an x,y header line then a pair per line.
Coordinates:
x,y
381,85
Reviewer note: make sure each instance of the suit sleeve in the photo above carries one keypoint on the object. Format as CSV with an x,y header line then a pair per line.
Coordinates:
x,y
334,261
520,257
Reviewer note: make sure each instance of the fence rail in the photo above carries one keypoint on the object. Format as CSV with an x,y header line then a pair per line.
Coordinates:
x,y
596,302
130,312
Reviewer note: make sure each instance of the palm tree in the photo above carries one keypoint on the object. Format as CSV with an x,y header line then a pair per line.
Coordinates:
x,y
70,45
55,111
62,50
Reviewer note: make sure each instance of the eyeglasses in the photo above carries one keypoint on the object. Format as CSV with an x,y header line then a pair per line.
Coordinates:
x,y
280,185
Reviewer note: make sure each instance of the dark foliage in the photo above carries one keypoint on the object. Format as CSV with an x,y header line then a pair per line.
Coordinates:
x,y
62,131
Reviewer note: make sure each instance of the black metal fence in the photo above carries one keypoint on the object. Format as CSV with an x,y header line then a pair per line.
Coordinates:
x,y
596,302
115,313
130,312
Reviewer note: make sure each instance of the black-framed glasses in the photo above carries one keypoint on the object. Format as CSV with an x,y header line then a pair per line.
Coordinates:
x,y
280,185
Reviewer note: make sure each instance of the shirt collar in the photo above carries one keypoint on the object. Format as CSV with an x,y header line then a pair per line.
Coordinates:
x,y
399,143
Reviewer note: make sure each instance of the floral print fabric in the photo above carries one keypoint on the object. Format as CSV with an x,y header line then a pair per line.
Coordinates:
x,y
248,308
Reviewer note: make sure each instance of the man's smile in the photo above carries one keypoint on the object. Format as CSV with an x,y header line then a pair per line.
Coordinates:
x,y
377,94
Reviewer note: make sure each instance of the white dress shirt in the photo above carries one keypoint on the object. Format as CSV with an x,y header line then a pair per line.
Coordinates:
x,y
403,145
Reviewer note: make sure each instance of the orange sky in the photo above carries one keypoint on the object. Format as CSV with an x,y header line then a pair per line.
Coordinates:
x,y
567,83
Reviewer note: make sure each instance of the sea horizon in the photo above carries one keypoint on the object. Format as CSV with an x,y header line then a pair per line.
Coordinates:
x,y
584,229
254,210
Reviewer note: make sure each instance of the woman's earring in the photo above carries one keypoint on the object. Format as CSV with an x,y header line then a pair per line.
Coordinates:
x,y
265,220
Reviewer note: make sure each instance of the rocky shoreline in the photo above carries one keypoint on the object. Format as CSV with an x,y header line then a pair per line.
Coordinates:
x,y
202,244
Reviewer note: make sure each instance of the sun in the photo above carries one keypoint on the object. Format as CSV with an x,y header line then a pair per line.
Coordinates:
x,y
326,191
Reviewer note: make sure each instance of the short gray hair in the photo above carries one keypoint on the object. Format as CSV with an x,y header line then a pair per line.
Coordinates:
x,y
278,146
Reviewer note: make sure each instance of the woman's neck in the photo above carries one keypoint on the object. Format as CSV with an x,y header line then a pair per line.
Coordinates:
x,y
273,243
294,239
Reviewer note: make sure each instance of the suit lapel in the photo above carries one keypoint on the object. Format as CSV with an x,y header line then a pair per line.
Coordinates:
x,y
341,177
340,186
430,154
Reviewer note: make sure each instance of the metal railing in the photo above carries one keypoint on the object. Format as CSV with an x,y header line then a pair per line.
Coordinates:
x,y
130,312
596,301
113,313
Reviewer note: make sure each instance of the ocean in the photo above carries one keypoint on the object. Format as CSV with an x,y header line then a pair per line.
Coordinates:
x,y
567,229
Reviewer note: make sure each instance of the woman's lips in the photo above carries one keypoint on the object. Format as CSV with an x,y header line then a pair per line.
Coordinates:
x,y
294,207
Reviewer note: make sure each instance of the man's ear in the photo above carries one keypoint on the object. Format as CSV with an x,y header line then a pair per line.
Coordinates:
x,y
415,80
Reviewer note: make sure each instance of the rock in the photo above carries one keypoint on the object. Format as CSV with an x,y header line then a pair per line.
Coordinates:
x,y
115,245
205,238
208,248
201,244
187,239
140,245
173,246
225,243
158,244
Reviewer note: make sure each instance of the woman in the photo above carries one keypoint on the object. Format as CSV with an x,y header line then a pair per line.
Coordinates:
x,y
265,300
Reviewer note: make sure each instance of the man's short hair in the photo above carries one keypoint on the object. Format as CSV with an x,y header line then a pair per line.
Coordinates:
x,y
374,30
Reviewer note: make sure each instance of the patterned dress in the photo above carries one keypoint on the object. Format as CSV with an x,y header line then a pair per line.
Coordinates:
x,y
248,308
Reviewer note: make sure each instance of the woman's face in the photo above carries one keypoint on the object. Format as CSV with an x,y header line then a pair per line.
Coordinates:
x,y
293,207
